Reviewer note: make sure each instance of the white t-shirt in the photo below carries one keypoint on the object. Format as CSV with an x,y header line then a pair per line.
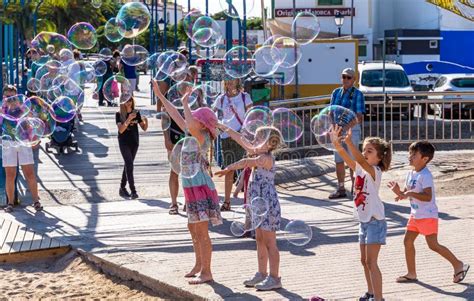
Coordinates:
x,y
227,107
366,198
417,182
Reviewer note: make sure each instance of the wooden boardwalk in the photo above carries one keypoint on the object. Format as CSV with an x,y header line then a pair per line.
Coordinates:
x,y
16,240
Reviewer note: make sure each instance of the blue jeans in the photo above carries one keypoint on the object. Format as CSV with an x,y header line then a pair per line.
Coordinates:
x,y
373,232
356,137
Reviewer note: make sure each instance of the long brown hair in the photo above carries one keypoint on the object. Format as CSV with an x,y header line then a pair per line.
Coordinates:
x,y
238,85
384,151
123,109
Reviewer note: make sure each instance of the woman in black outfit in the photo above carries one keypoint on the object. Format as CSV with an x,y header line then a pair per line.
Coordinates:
x,y
127,120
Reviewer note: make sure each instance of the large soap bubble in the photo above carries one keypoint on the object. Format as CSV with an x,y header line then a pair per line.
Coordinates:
x,y
190,158
134,55
82,35
206,32
237,62
112,30
133,19
298,233
289,124
29,131
305,27
50,43
330,116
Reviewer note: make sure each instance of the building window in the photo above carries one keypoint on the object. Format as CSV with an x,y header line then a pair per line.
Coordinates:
x,y
433,44
362,50
329,2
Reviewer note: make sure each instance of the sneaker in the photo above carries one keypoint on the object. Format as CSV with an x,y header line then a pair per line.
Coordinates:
x,y
269,283
259,277
134,196
124,193
366,297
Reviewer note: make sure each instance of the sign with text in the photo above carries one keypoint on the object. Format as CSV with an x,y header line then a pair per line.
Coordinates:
x,y
318,12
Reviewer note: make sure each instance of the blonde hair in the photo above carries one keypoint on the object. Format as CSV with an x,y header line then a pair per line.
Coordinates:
x,y
275,139
238,85
384,151
123,109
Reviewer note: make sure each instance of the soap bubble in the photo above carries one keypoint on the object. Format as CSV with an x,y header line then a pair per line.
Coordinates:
x,y
305,27
235,9
190,158
263,63
332,115
33,85
206,93
39,108
256,118
288,51
105,54
100,68
237,63
189,20
117,87
64,109
82,35
288,123
177,92
134,55
29,131
50,43
298,233
112,30
165,120
170,63
14,107
206,32
133,19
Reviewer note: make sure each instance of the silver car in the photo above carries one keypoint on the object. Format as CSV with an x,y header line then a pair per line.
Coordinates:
x,y
453,83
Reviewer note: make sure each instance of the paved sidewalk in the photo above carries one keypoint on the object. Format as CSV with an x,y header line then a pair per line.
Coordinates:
x,y
82,208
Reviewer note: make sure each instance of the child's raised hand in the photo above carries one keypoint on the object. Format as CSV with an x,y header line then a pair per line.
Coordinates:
x,y
336,135
348,137
395,188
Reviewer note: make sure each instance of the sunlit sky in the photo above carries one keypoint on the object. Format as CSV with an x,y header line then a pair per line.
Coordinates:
x,y
214,6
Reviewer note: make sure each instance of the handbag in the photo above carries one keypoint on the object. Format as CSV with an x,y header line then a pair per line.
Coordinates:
x,y
115,89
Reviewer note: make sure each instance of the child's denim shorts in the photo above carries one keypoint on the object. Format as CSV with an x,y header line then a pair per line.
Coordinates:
x,y
373,232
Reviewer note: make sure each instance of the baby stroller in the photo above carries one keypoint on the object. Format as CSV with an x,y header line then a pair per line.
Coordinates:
x,y
62,138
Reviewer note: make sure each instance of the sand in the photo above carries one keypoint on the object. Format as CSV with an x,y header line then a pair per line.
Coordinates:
x,y
66,277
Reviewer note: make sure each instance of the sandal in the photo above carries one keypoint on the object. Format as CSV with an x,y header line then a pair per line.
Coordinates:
x,y
37,205
463,273
405,279
173,210
338,194
9,208
225,206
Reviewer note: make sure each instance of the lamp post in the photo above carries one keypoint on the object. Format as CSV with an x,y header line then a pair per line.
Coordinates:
x,y
339,20
161,28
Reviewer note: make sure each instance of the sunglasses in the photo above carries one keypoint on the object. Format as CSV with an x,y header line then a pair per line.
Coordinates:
x,y
346,77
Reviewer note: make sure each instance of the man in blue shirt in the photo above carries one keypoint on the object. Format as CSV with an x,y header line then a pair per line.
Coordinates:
x,y
351,98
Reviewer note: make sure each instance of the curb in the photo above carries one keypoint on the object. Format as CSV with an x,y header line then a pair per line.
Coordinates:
x,y
124,273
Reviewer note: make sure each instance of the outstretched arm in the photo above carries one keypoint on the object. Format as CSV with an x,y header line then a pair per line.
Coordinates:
x,y
264,161
358,156
191,123
237,137
170,108
336,140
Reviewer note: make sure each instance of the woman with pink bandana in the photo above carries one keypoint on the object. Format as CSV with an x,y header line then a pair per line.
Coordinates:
x,y
202,201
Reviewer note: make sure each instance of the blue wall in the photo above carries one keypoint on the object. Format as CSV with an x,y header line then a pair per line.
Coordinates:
x,y
457,47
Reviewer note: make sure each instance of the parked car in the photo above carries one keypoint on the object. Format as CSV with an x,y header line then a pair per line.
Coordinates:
x,y
396,81
462,82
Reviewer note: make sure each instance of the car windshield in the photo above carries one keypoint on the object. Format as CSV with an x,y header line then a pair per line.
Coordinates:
x,y
393,78
465,82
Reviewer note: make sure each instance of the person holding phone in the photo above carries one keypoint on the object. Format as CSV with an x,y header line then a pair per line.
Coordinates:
x,y
128,119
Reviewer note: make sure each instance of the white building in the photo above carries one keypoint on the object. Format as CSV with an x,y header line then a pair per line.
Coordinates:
x,y
414,29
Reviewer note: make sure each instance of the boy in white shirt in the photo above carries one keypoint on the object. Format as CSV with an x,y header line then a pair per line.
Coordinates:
x,y
419,189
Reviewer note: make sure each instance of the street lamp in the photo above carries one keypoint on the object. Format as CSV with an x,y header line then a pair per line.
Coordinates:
x,y
339,20
161,24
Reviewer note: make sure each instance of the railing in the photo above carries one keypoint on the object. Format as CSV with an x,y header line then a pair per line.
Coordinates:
x,y
440,117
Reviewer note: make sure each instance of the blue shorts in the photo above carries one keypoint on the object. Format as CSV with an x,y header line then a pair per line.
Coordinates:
x,y
356,136
373,232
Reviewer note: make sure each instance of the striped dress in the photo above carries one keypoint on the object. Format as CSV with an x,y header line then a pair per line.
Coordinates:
x,y
202,201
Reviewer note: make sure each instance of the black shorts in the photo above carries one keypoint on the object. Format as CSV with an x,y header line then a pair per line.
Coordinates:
x,y
175,132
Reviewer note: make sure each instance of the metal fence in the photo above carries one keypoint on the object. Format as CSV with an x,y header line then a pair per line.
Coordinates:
x,y
440,117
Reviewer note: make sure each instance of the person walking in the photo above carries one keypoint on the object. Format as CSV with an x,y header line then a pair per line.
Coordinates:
x,y
128,119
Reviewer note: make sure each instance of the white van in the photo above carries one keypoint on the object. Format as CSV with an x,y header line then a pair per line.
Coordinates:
x,y
396,80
